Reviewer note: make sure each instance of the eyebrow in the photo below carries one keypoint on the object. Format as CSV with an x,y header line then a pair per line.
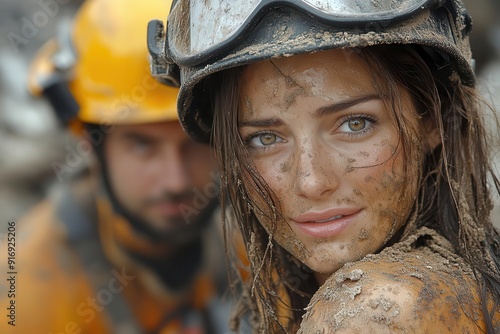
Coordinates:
x,y
333,108
138,137
264,123
339,106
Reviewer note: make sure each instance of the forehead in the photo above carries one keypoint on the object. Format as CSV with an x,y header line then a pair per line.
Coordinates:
x,y
331,74
157,131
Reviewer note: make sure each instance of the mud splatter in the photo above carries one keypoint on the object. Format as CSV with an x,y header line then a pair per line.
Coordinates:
x,y
354,275
285,167
363,234
425,262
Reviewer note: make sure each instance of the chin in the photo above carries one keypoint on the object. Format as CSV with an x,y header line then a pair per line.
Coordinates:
x,y
328,262
171,227
165,223
327,269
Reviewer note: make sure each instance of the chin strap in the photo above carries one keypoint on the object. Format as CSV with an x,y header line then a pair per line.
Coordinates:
x,y
178,270
138,224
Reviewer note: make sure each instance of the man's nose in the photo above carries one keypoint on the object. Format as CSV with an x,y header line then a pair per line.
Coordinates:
x,y
174,174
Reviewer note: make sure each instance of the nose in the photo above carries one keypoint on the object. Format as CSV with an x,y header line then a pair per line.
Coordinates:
x,y
316,172
174,174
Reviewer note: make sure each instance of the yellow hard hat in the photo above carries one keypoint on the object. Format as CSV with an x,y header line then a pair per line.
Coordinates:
x,y
109,77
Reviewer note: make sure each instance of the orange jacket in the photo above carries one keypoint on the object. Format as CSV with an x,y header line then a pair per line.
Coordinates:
x,y
53,292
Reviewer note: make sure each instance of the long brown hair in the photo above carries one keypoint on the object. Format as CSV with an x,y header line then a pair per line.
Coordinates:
x,y
454,196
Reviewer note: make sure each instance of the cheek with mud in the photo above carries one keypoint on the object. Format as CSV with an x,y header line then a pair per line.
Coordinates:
x,y
281,232
392,199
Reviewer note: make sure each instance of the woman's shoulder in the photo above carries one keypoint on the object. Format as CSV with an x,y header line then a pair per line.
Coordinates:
x,y
417,286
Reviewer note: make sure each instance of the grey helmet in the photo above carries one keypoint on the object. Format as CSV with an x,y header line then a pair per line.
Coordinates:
x,y
205,37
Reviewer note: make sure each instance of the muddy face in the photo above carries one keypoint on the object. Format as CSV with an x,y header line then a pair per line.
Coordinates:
x,y
325,141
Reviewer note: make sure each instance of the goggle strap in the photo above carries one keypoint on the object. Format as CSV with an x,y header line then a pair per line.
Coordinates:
x,y
163,68
62,101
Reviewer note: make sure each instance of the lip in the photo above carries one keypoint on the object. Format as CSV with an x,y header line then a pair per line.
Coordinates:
x,y
327,223
168,208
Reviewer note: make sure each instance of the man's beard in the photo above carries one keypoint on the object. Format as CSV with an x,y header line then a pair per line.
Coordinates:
x,y
179,229
143,227
176,270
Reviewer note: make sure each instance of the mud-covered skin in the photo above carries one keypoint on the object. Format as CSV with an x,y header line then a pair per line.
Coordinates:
x,y
314,162
416,286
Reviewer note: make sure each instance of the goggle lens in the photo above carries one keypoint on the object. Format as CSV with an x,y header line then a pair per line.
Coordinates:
x,y
204,28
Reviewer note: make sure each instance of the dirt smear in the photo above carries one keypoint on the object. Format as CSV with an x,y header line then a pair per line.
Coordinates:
x,y
421,271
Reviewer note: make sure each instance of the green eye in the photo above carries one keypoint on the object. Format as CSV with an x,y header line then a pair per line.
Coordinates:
x,y
267,139
263,140
356,124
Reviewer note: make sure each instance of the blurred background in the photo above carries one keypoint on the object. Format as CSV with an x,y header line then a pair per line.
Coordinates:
x,y
31,141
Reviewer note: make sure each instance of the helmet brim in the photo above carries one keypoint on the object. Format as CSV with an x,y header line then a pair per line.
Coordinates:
x,y
286,32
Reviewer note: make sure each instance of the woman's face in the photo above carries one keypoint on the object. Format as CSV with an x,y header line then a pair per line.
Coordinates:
x,y
322,138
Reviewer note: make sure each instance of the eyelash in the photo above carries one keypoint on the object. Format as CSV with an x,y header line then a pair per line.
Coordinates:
x,y
248,140
371,119
142,147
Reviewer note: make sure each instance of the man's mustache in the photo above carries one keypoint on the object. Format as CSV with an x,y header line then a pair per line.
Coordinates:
x,y
170,198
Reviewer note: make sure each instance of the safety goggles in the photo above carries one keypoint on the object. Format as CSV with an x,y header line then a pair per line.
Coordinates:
x,y
199,30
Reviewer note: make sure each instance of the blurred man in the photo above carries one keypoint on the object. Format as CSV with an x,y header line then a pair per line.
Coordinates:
x,y
127,247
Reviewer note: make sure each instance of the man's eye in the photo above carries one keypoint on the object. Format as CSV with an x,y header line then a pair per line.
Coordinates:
x,y
141,146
